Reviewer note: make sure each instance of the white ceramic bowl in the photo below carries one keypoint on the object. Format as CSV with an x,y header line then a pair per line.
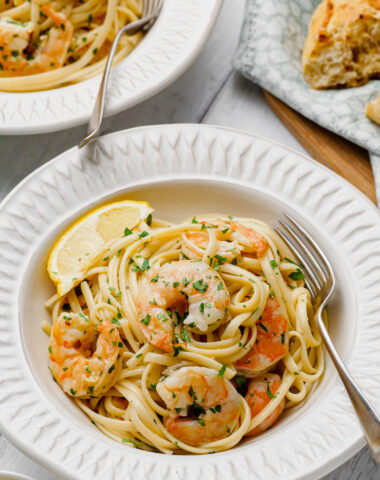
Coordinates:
x,y
7,475
184,170
162,56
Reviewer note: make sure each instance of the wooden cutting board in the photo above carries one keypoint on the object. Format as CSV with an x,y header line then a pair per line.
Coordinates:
x,y
343,157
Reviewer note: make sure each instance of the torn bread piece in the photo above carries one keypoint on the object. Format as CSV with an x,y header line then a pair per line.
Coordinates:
x,y
373,110
342,48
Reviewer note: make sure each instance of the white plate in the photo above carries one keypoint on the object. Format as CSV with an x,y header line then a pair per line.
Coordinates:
x,y
184,170
7,475
163,55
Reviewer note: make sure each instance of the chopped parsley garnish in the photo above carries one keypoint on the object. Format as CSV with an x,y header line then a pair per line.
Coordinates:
x,y
220,286
222,370
115,322
127,232
200,285
155,279
145,265
112,368
271,294
84,317
269,393
73,392
143,234
177,349
185,336
291,261
194,220
146,320
273,264
149,220
282,338
297,275
263,327
135,444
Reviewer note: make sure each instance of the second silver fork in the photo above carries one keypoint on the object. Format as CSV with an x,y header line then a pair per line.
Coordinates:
x,y
151,11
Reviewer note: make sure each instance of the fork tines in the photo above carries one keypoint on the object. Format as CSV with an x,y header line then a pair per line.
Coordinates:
x,y
150,6
317,269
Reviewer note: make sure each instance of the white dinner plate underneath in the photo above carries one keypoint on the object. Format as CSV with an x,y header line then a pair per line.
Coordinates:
x,y
162,56
185,170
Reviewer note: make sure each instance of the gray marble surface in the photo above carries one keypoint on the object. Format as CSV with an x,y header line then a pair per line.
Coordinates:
x,y
209,92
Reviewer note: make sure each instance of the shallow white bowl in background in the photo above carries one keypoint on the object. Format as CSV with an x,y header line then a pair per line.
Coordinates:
x,y
185,170
163,55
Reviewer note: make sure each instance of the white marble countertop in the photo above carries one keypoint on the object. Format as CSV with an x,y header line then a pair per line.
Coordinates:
x,y
209,92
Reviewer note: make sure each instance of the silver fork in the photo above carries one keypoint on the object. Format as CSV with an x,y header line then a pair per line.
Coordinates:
x,y
320,280
151,10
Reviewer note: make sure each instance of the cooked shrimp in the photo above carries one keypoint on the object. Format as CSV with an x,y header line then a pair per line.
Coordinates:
x,y
205,406
17,57
260,391
245,239
180,286
84,358
249,239
271,342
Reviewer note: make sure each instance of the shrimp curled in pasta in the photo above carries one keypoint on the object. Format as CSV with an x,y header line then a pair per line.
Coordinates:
x,y
19,57
205,406
182,285
84,358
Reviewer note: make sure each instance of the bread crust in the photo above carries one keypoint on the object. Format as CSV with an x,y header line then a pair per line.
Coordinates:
x,y
342,48
373,110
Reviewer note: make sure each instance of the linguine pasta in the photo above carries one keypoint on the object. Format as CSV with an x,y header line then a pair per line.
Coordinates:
x,y
132,409
83,32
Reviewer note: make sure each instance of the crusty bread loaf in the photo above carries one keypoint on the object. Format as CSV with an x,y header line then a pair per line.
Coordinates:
x,y
373,110
342,48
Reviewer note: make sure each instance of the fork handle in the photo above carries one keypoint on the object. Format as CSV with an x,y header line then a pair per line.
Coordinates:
x,y
368,417
98,112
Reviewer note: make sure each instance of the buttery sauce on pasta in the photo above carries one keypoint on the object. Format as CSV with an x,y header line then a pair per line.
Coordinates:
x,y
49,44
187,337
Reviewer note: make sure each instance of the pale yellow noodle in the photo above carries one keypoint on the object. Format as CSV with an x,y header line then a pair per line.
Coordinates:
x,y
110,291
95,21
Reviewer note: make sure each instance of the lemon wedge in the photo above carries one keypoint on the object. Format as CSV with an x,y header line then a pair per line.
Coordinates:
x,y
77,248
